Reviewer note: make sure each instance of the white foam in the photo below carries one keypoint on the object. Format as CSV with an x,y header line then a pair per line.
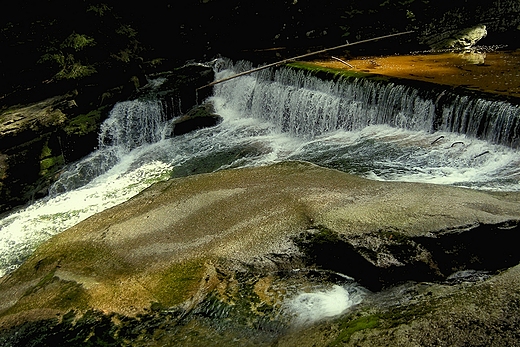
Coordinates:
x,y
307,308
23,230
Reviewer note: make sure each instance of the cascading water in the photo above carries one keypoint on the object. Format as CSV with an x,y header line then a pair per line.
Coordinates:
x,y
307,106
378,130
384,130
109,176
131,124
309,307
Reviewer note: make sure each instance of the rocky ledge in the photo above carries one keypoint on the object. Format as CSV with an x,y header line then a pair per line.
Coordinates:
x,y
214,259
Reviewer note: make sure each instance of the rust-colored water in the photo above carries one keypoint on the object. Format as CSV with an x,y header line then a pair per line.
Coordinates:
x,y
494,72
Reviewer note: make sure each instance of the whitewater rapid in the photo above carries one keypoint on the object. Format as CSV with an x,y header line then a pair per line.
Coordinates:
x,y
264,121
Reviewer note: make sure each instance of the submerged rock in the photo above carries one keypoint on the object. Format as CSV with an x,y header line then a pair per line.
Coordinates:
x,y
211,259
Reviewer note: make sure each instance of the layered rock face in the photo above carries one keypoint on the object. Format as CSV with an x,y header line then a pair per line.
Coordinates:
x,y
230,243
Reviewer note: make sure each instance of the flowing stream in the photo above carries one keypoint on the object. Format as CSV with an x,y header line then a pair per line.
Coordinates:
x,y
378,130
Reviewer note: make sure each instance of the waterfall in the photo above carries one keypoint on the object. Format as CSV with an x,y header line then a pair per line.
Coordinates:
x,y
129,125
374,129
304,105
493,121
132,124
122,166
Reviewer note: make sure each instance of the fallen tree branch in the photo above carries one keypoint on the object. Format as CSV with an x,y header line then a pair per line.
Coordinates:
x,y
300,57
342,61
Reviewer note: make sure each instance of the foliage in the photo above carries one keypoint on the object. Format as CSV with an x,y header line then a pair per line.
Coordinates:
x,y
381,17
59,41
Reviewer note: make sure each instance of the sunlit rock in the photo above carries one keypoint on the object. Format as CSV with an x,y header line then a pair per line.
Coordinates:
x,y
255,252
463,39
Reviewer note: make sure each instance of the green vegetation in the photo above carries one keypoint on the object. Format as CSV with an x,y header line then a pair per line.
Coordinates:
x,y
58,295
386,319
68,58
334,73
52,44
48,165
85,123
401,15
178,283
49,161
349,327
46,151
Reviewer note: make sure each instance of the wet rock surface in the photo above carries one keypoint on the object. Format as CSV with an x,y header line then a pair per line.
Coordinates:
x,y
215,259
490,72
199,117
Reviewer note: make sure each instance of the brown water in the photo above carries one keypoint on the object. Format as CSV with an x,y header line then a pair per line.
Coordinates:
x,y
495,72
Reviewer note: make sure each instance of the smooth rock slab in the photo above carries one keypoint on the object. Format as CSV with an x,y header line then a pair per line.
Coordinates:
x,y
164,246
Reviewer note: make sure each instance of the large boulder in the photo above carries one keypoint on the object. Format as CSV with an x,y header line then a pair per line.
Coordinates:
x,y
212,259
459,40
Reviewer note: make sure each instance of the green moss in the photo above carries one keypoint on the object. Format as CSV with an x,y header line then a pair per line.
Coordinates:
x,y
70,296
83,258
47,164
349,327
94,260
48,278
329,73
85,123
46,151
52,293
179,282
405,314
308,66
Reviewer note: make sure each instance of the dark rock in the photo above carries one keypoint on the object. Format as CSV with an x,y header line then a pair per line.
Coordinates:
x,y
197,118
180,86
458,40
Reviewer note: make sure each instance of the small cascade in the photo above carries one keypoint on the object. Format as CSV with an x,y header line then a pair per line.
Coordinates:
x,y
306,106
309,307
130,124
121,167
494,121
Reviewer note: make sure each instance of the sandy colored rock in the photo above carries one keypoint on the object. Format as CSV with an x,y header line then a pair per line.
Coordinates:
x,y
134,254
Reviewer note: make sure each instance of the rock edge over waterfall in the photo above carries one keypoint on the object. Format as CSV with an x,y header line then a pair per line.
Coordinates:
x,y
189,253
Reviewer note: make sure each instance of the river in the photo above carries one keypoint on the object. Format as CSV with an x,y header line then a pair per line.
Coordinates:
x,y
381,131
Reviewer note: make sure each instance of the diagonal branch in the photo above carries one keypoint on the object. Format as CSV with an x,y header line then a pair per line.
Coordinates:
x,y
300,57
